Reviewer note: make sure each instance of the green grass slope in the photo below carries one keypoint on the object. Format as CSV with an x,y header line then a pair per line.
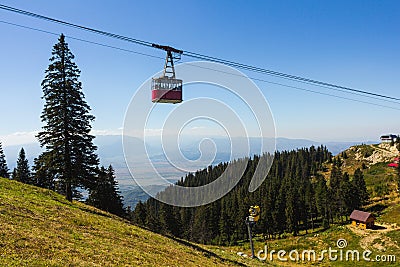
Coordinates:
x,y
382,243
40,228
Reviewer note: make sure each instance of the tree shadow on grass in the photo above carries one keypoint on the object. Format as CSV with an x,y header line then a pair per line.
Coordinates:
x,y
205,252
96,212
378,227
378,208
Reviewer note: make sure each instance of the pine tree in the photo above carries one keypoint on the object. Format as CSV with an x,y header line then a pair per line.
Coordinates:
x,y
170,222
346,196
14,174
322,200
69,150
310,203
224,228
22,173
139,214
187,222
152,216
4,171
336,176
201,227
279,215
105,195
41,173
360,188
291,210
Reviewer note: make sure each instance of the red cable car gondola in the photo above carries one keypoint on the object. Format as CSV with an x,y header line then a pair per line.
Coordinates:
x,y
167,89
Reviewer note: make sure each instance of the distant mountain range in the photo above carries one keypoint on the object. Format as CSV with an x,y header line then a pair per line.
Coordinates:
x,y
198,154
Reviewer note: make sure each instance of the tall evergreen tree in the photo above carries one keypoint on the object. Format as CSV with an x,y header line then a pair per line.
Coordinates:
x,y
14,174
41,173
202,230
278,214
322,200
346,196
139,214
225,228
336,204
360,188
292,210
69,150
105,195
152,215
169,220
4,171
23,173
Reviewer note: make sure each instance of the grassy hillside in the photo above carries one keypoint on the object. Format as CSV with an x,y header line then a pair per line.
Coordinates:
x,y
372,159
381,242
40,228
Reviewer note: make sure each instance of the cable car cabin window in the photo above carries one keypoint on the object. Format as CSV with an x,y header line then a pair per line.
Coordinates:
x,y
166,90
171,84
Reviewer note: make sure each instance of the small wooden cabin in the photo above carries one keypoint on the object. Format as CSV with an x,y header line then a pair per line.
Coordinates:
x,y
362,219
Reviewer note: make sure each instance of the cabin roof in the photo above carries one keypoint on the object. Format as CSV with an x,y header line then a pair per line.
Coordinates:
x,y
361,216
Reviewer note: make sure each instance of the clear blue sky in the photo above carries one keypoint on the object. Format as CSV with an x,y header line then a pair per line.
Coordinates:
x,y
351,43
